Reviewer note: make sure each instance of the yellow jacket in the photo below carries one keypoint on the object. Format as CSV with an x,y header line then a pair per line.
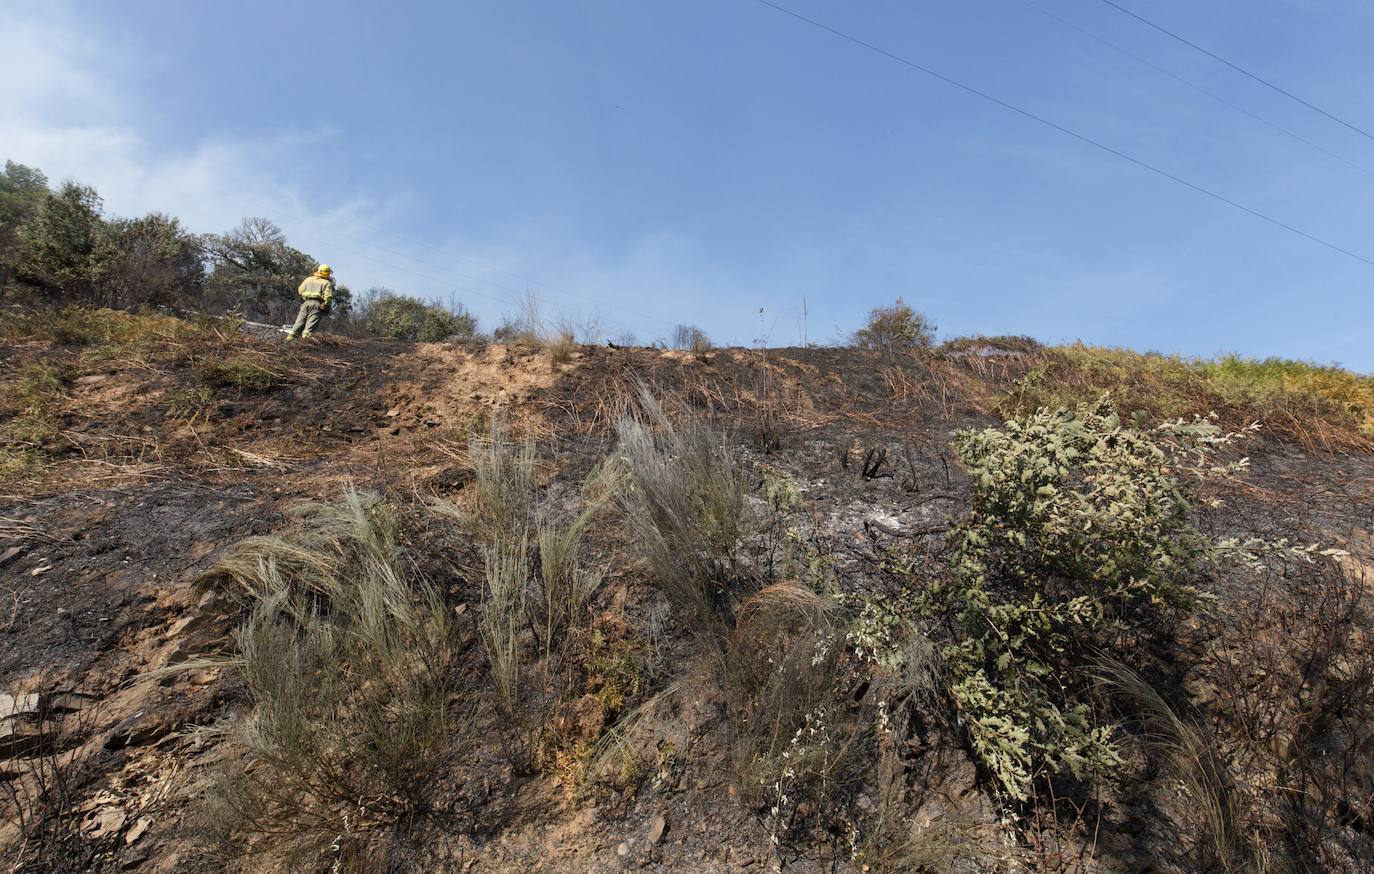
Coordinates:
x,y
317,288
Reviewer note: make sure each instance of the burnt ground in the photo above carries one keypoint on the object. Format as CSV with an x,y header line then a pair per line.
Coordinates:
x,y
104,549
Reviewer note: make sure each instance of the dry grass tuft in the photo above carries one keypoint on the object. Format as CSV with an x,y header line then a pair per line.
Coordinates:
x,y
1192,760
348,658
685,505
560,344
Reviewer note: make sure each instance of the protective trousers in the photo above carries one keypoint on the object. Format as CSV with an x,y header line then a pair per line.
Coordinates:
x,y
307,318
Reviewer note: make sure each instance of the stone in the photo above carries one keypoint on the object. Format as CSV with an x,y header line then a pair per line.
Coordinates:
x,y
106,822
185,623
9,554
622,850
90,379
137,830
13,705
142,728
657,827
21,740
66,702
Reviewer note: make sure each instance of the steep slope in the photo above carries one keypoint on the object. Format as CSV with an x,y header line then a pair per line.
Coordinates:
x,y
151,450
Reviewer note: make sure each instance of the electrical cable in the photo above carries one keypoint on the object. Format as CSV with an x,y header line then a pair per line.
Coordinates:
x,y
1238,68
1065,130
1196,87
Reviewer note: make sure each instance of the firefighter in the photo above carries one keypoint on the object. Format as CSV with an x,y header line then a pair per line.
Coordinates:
x,y
317,293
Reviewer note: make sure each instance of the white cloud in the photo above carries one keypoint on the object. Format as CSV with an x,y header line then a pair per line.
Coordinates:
x,y
70,106
72,103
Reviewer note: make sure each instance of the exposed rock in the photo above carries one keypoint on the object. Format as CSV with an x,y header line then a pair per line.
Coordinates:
x,y
106,822
22,740
142,728
657,827
12,705
65,702
136,831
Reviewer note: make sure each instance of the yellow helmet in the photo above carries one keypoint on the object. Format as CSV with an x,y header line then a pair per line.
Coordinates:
x,y
324,270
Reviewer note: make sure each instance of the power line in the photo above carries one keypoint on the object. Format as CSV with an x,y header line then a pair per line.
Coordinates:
x,y
1196,87
1239,69
1159,171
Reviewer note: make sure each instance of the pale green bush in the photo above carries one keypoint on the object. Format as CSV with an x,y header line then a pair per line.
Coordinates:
x,y
1080,536
896,328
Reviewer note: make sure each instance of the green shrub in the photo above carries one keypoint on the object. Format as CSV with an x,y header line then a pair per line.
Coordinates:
x,y
896,328
1079,538
399,317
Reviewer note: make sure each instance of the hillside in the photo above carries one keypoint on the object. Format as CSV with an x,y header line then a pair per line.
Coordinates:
x,y
743,644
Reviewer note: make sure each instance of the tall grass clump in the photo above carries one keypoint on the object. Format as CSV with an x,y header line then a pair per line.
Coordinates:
x,y
686,508
348,658
1306,390
31,401
1191,758
537,576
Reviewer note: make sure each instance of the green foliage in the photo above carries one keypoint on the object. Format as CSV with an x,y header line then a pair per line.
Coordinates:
x,y
30,401
1318,406
256,272
22,190
150,261
59,245
896,328
1278,380
117,332
1079,538
244,372
400,317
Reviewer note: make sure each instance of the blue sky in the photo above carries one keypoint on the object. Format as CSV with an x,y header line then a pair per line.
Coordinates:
x,y
647,162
